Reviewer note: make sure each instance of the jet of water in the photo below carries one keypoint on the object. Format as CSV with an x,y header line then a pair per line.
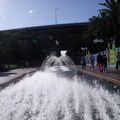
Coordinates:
x,y
49,96
45,96
51,61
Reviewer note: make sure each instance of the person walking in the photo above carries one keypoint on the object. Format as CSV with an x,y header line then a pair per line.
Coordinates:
x,y
92,61
100,62
118,61
104,62
83,60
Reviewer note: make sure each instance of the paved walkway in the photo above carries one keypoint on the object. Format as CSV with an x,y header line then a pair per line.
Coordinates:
x,y
12,74
110,75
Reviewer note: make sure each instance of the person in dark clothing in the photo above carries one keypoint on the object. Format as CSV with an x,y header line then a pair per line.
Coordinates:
x,y
118,61
92,61
83,60
100,62
104,62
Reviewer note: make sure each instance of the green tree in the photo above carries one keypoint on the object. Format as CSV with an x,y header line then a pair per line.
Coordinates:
x,y
112,11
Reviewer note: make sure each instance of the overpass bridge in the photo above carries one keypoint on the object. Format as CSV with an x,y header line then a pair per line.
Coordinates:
x,y
68,35
49,37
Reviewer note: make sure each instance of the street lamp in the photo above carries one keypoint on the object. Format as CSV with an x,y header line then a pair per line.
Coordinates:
x,y
98,41
56,15
84,49
57,42
57,48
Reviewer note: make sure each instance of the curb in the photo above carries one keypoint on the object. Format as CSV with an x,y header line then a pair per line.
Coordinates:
x,y
17,79
100,76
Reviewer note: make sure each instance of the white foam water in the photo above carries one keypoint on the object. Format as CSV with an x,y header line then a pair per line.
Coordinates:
x,y
57,61
45,96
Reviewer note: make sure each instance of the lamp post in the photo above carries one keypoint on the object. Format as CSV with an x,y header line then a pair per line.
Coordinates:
x,y
97,41
57,48
84,49
57,42
56,15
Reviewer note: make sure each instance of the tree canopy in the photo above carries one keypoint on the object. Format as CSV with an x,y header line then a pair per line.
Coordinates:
x,y
106,25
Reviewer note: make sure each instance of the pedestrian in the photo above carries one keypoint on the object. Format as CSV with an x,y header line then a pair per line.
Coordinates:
x,y
104,62
83,60
118,61
92,61
100,62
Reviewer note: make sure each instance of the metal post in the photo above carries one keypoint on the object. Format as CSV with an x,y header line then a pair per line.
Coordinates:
x,y
56,15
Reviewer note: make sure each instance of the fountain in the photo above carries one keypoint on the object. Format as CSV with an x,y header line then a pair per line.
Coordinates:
x,y
53,61
49,96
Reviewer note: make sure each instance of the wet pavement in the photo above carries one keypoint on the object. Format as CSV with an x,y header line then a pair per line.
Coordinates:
x,y
109,79
6,77
110,75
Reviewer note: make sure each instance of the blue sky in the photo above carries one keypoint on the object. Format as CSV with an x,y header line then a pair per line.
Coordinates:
x,y
26,13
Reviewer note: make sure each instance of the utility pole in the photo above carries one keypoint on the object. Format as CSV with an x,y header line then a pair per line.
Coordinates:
x,y
56,15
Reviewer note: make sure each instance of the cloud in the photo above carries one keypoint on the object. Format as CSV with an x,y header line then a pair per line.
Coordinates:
x,y
31,11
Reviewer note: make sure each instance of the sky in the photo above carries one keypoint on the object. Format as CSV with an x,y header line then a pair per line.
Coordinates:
x,y
27,13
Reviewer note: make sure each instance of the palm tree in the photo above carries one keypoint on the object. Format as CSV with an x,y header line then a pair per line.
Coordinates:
x,y
100,28
112,12
95,31
94,26
107,30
